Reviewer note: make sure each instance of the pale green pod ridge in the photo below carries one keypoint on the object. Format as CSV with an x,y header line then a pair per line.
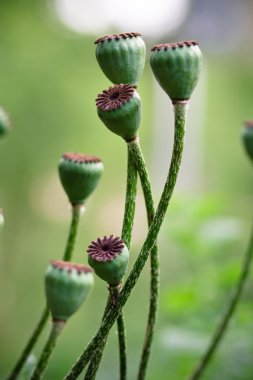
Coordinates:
x,y
121,57
177,68
67,286
28,368
4,122
109,257
1,219
119,108
79,175
247,138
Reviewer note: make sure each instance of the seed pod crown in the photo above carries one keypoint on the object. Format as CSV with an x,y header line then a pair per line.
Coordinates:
x,y
109,256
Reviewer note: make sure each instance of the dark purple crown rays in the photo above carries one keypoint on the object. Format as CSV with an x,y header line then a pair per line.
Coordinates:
x,y
80,158
174,45
248,123
69,266
106,248
110,37
114,97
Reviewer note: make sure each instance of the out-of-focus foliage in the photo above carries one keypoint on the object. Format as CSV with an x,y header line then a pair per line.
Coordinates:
x,y
205,249
49,79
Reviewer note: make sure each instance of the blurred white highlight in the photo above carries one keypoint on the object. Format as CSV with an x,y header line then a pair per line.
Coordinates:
x,y
149,17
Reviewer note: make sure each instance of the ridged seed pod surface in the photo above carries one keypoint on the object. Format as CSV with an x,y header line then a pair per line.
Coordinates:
x,y
177,68
79,175
67,286
121,57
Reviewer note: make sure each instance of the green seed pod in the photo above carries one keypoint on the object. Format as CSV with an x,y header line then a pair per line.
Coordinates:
x,y
177,68
67,286
119,108
247,138
109,257
121,57
1,218
4,123
79,175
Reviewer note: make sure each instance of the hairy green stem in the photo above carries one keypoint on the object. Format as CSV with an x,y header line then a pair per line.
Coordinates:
x,y
126,234
26,352
95,362
97,356
154,259
130,200
122,346
148,245
76,212
57,327
224,322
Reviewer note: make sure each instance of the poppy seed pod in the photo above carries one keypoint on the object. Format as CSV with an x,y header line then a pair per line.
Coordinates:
x,y
109,257
4,123
121,57
79,175
247,137
177,68
119,108
67,286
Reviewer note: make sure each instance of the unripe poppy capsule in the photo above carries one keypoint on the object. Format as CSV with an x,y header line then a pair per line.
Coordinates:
x,y
109,256
67,286
177,68
119,108
79,175
121,57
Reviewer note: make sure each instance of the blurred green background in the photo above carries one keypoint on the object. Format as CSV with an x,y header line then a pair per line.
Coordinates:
x,y
49,79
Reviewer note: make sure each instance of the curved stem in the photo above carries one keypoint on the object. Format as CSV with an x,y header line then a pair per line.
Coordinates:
x,y
97,356
149,243
126,235
76,212
57,327
154,259
26,352
122,346
130,200
28,368
224,322
95,362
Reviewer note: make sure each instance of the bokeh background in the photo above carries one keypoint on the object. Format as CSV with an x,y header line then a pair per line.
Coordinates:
x,y
49,79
